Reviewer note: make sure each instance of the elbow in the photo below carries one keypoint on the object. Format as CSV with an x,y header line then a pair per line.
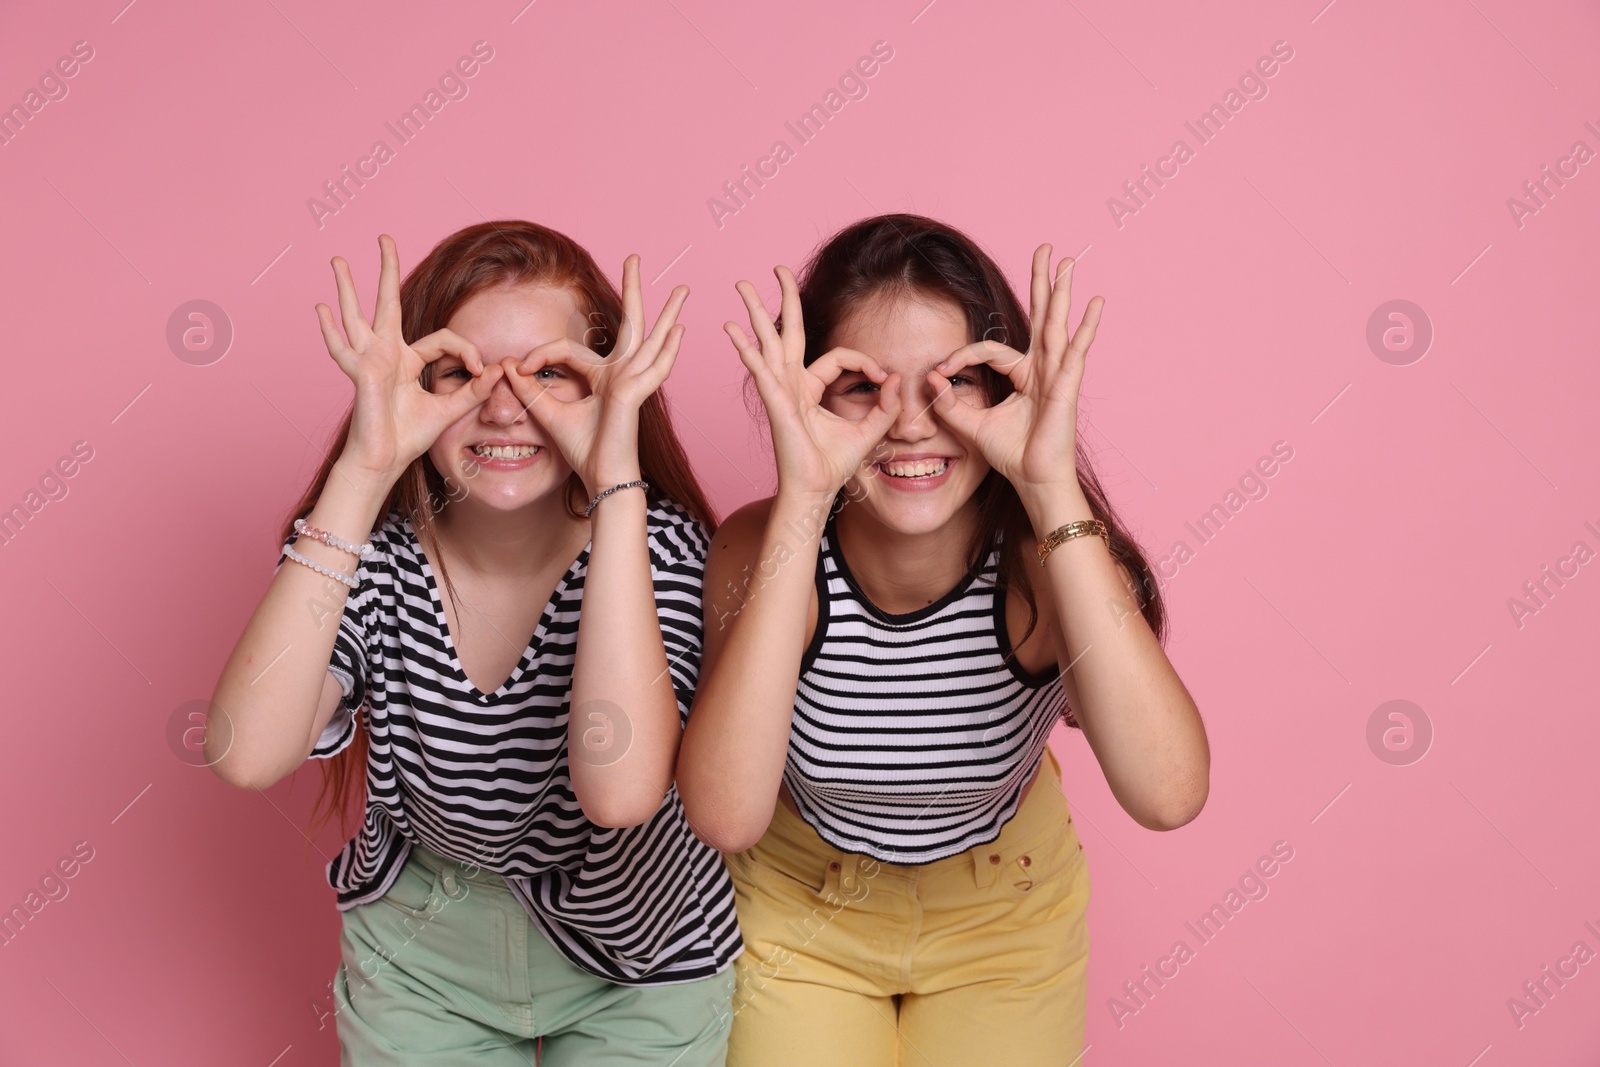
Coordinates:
x,y
717,830
717,827
234,765
730,839
623,812
241,775
1178,808
222,751
617,816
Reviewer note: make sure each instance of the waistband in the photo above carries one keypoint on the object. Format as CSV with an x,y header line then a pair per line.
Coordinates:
x,y
457,870
792,845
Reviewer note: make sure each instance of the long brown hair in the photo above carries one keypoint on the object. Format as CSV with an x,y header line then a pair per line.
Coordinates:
x,y
903,253
479,257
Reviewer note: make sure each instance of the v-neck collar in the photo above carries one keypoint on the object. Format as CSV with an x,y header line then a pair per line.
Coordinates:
x,y
530,653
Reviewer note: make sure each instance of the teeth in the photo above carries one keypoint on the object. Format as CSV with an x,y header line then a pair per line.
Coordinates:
x,y
919,469
505,451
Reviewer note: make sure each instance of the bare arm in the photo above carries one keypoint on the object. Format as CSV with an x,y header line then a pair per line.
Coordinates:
x,y
731,761
621,688
1134,710
758,590
273,696
622,692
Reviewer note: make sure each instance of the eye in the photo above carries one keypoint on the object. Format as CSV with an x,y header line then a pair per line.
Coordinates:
x,y
549,373
958,380
861,388
455,372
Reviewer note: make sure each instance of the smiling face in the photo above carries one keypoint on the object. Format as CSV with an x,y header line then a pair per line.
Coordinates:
x,y
497,450
921,473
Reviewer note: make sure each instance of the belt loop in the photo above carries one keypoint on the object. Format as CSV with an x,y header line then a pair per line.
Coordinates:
x,y
849,877
985,863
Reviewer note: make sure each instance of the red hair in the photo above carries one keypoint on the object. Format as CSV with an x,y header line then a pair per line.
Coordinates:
x,y
479,257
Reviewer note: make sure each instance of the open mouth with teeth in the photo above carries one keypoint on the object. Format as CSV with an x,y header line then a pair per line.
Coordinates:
x,y
921,468
506,451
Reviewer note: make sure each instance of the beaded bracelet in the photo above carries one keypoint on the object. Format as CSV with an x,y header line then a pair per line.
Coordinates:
x,y
360,551
640,484
319,568
1062,534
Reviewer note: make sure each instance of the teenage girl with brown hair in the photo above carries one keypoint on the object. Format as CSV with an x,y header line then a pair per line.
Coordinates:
x,y
939,581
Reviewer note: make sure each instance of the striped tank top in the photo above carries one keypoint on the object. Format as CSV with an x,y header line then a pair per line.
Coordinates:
x,y
913,734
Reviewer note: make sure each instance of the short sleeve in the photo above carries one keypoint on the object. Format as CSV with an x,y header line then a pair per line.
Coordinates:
x,y
678,547
348,661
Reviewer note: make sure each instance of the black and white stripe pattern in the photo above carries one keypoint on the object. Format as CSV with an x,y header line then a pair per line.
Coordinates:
x,y
912,734
483,777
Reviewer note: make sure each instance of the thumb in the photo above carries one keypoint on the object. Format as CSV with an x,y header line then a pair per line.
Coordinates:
x,y
473,393
962,418
877,421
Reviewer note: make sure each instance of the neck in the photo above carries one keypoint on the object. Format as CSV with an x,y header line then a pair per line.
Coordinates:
x,y
902,572
520,542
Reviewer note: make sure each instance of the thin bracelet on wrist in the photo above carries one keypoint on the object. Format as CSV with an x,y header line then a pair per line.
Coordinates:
x,y
602,494
320,569
361,551
1062,534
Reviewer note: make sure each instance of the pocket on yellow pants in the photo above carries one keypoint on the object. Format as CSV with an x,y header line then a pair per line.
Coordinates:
x,y
750,867
1056,856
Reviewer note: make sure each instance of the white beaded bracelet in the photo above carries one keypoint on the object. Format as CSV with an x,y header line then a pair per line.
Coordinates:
x,y
361,551
319,568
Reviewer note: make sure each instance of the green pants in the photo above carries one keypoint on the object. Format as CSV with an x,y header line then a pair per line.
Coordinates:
x,y
447,969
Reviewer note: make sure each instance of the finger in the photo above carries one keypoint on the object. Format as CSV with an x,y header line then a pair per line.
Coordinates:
x,y
331,337
632,307
794,330
1088,326
835,362
1055,322
876,422
446,341
386,316
665,322
962,417
1003,358
355,325
651,375
563,352
661,368
523,384
761,322
1039,291
749,355
528,389
474,393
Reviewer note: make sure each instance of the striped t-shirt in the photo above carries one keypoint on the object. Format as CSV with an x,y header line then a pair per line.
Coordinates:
x,y
913,735
483,777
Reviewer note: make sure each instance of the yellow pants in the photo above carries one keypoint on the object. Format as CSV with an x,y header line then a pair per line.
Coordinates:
x,y
975,959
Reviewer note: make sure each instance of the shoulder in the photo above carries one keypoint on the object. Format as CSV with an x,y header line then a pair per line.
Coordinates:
x,y
675,536
739,537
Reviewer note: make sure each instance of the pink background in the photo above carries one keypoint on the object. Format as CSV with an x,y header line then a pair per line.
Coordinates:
x,y
1379,566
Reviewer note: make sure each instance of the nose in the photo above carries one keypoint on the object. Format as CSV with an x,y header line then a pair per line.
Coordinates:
x,y
502,408
915,421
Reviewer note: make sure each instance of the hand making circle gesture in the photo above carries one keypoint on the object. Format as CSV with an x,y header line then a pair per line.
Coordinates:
x,y
1030,437
817,451
598,434
395,419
